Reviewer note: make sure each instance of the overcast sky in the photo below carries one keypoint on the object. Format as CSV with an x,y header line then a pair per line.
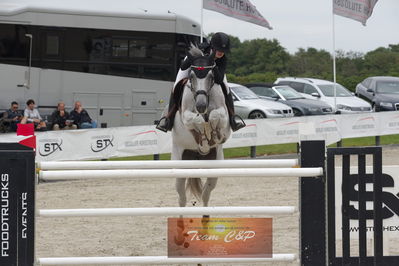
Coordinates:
x,y
297,23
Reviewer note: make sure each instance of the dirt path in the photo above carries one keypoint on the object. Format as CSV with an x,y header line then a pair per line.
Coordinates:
x,y
146,236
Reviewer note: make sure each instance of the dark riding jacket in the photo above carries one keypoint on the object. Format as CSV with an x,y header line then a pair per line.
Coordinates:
x,y
218,71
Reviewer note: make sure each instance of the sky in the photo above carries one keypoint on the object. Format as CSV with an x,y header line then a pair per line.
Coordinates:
x,y
296,23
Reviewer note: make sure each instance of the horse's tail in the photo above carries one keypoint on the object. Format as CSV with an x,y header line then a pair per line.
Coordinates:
x,y
194,185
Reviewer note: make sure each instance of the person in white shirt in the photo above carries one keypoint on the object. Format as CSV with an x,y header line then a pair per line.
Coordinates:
x,y
31,115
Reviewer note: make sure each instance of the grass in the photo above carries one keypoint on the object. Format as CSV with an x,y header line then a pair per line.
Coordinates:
x,y
280,148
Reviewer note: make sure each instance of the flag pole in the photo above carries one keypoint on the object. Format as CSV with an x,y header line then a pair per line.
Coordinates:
x,y
333,53
202,20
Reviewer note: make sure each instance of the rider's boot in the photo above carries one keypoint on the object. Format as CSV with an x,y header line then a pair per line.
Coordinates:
x,y
236,121
165,124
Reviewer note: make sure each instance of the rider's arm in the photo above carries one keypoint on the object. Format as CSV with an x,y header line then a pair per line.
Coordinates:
x,y
220,69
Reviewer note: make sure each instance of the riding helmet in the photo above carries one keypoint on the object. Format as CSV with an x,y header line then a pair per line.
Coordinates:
x,y
220,41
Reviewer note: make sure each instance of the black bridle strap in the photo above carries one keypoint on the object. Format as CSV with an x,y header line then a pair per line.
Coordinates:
x,y
199,92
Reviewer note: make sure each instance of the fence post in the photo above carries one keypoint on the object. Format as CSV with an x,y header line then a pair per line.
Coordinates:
x,y
377,140
17,181
312,201
253,151
156,156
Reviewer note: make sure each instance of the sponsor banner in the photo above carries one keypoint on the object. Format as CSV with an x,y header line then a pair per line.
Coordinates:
x,y
247,135
390,200
102,143
389,123
220,237
359,10
140,140
242,10
359,125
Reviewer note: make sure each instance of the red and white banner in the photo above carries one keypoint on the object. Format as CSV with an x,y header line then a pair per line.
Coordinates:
x,y
239,9
359,10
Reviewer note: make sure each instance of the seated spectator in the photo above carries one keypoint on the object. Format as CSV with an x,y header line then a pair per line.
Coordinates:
x,y
81,117
31,115
12,117
61,118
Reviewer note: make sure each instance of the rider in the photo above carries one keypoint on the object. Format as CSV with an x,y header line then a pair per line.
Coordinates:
x,y
220,44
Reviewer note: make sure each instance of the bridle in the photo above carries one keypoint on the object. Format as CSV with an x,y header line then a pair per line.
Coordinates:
x,y
201,72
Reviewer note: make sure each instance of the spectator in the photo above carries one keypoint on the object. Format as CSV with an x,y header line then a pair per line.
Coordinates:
x,y
31,115
81,117
61,119
12,117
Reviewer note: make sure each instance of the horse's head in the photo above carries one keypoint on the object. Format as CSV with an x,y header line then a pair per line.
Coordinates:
x,y
201,78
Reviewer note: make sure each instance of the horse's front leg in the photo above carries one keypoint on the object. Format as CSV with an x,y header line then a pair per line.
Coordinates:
x,y
196,122
193,121
218,118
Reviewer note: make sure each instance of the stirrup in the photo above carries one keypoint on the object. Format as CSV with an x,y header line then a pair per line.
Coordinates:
x,y
236,125
163,124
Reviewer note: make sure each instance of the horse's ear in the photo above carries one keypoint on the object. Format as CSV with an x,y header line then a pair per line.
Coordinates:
x,y
190,56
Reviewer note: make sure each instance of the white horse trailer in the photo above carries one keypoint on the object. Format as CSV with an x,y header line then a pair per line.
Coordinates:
x,y
119,63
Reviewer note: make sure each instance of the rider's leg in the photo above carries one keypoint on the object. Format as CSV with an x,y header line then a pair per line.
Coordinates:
x,y
166,123
236,121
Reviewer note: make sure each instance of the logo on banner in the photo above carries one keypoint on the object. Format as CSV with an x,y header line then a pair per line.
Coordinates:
x,y
220,237
5,215
249,134
150,139
366,123
49,146
394,124
327,126
102,142
287,132
389,197
389,200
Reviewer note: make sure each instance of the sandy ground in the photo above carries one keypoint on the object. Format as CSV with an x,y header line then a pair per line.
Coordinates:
x,y
146,236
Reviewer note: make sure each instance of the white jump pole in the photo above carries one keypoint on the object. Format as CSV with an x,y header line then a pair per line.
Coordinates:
x,y
187,164
181,173
168,211
157,260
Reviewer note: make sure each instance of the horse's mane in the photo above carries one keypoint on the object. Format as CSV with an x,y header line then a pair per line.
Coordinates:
x,y
195,51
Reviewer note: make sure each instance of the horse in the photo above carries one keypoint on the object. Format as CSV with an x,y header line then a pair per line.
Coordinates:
x,y
201,124
200,127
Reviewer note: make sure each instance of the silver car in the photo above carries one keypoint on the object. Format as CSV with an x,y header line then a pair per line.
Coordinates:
x,y
248,105
323,90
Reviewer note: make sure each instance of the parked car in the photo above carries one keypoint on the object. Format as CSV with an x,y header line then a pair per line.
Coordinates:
x,y
248,105
287,95
323,90
382,92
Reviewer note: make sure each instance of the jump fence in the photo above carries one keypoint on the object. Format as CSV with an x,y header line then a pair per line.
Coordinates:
x,y
315,204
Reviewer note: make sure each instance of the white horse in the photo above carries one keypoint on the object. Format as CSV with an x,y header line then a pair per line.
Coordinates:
x,y
201,125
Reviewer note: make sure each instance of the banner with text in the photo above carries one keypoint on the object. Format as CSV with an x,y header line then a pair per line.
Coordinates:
x,y
239,9
359,10
220,237
103,143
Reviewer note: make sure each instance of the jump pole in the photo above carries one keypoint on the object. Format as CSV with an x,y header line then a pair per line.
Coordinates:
x,y
180,173
158,260
167,211
166,164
